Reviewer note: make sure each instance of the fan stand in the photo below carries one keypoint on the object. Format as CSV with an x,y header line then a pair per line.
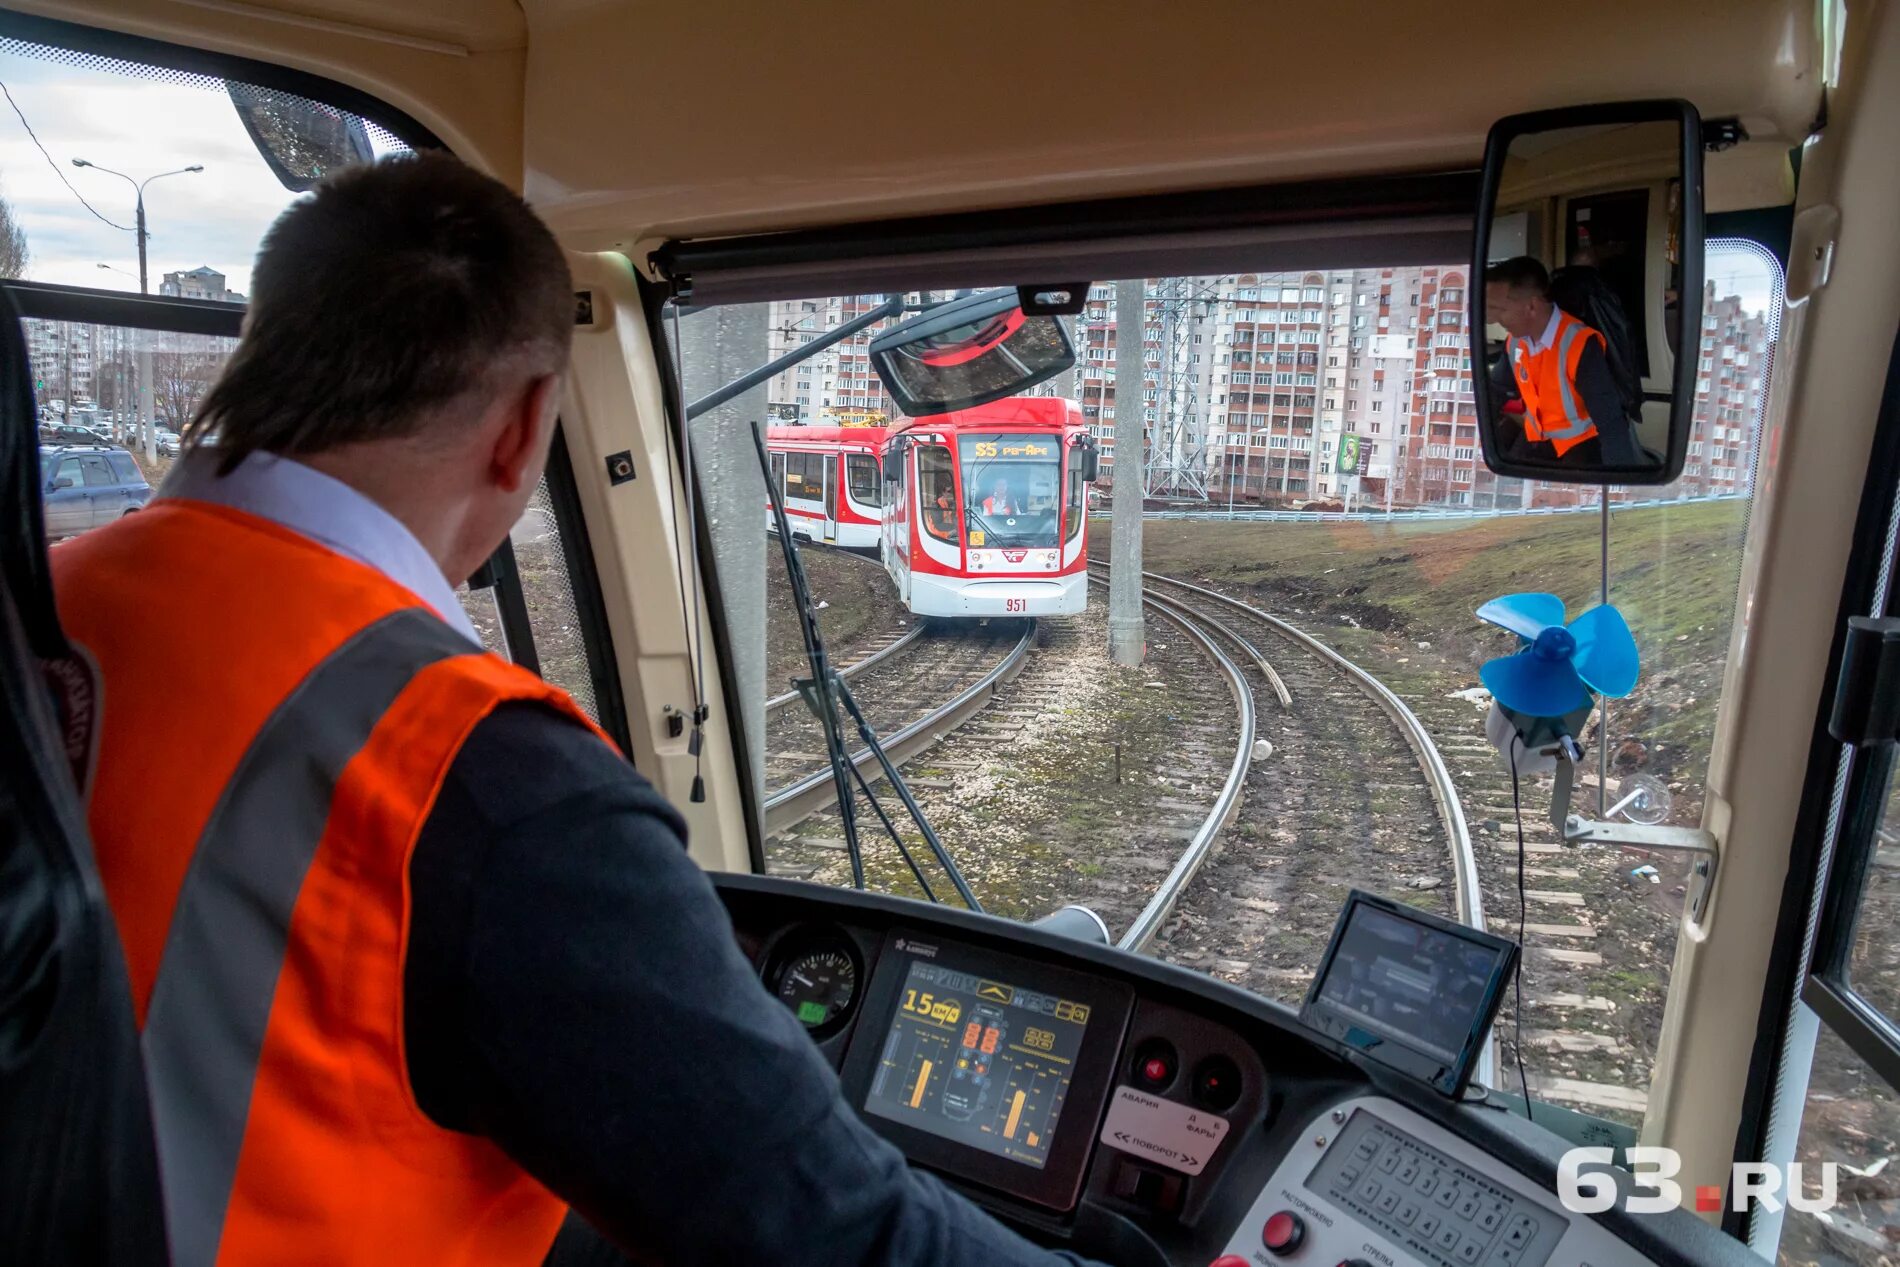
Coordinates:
x,y
1577,830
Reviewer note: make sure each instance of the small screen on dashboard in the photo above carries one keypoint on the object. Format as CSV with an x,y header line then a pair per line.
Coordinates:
x,y
981,1062
1409,989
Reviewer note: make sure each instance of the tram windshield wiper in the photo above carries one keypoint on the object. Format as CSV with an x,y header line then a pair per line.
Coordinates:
x,y
825,693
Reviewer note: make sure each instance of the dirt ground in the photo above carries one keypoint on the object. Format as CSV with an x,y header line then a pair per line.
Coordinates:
x,y
859,603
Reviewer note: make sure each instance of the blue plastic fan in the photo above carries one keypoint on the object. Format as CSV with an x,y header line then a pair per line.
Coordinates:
x,y
1560,663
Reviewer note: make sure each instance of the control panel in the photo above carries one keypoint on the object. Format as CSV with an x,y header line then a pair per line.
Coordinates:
x,y
1144,1115
1373,1183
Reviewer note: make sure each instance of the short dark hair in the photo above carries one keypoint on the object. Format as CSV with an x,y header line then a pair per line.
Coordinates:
x,y
396,288
1520,272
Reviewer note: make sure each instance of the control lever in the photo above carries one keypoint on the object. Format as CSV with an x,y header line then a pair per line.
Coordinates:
x,y
1078,922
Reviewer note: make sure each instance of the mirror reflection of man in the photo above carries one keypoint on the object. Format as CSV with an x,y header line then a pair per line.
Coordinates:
x,y
999,502
1559,370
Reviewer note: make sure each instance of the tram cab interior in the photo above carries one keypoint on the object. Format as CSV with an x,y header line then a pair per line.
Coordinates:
x,y
721,177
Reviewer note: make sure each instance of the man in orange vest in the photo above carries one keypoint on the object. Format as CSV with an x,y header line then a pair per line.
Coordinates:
x,y
999,501
418,960
1558,367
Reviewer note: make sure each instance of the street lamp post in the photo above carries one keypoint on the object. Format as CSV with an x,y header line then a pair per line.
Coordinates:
x,y
138,189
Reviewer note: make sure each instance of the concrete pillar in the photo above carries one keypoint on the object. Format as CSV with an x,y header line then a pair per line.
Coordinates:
x,y
1126,631
148,406
718,345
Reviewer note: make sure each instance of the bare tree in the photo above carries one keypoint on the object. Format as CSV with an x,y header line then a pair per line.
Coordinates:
x,y
13,252
179,382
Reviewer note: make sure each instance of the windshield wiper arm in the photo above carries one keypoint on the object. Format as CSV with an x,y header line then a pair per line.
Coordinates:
x,y
823,693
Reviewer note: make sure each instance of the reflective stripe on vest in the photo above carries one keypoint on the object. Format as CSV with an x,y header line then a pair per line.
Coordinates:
x,y
1575,421
225,947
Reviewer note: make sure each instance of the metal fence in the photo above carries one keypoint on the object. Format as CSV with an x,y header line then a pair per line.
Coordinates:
x,y
1403,516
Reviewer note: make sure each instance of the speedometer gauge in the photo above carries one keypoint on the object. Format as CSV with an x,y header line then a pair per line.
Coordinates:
x,y
818,986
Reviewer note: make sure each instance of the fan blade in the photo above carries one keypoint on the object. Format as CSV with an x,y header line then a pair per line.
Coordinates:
x,y
1529,684
1606,657
1525,615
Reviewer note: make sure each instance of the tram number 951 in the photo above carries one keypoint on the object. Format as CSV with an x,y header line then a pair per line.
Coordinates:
x,y
1016,604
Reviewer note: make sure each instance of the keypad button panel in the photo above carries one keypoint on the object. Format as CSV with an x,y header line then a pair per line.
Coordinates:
x,y
1428,1204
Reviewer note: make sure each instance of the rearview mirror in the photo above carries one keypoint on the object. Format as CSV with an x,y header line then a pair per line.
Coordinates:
x,y
1090,458
1586,302
64,481
301,140
969,352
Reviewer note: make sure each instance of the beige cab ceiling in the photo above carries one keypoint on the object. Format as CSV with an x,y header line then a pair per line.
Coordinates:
x,y
693,119
627,120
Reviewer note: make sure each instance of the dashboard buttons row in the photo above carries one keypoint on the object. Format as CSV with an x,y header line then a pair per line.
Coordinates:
x,y
1216,1082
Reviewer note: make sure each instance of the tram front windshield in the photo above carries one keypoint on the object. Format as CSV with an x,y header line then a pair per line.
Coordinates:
x,y
1012,489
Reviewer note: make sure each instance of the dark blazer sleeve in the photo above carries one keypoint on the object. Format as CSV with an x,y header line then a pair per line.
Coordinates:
x,y
1597,388
574,992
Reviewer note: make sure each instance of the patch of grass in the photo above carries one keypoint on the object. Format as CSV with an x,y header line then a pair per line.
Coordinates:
x,y
1376,590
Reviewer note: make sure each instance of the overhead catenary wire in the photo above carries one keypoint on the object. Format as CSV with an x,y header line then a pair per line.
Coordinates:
x,y
57,171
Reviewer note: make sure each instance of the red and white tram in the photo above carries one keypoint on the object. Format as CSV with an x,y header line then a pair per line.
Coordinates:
x,y
986,509
829,479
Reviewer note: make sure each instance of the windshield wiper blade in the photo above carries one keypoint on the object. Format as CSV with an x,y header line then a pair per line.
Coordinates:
x,y
824,692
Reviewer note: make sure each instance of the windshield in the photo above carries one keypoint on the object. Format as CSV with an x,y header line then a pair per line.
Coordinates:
x,y
1010,489
1303,447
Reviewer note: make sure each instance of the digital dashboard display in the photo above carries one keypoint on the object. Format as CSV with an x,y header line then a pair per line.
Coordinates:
x,y
1409,989
978,1061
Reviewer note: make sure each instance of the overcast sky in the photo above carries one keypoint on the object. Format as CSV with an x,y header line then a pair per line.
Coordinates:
x,y
140,127
143,126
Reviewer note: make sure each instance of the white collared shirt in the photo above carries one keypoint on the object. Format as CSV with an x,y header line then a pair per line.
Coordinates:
x,y
1549,336
329,512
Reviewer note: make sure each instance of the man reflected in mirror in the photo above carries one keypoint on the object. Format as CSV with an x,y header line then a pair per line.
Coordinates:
x,y
1567,408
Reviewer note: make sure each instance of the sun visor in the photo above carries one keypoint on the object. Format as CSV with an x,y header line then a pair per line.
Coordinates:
x,y
1358,224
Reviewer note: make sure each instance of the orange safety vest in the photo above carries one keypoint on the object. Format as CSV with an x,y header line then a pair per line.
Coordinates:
x,y
275,723
990,507
1547,380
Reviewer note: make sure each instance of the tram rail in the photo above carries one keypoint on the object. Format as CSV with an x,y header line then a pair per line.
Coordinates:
x,y
815,791
1187,604
1469,899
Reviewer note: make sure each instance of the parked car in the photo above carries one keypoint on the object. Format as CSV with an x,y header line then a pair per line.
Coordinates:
x,y
66,433
85,485
168,443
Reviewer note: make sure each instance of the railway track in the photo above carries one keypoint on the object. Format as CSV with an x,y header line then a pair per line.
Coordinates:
x,y
1598,940
883,649
1590,927
1354,793
1220,862
961,668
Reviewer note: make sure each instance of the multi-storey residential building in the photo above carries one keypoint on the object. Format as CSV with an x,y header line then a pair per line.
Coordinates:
x,y
77,364
1731,379
203,282
1259,388
836,387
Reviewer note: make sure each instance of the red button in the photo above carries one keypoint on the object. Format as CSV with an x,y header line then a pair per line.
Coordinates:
x,y
1230,1260
1155,1069
1283,1233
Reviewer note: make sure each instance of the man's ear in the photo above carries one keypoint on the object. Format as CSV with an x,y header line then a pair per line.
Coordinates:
x,y
523,436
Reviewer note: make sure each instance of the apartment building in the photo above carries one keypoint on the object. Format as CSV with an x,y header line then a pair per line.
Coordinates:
x,y
1348,387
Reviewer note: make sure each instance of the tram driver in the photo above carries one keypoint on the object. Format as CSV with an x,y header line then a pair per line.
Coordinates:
x,y
505,988
1000,501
